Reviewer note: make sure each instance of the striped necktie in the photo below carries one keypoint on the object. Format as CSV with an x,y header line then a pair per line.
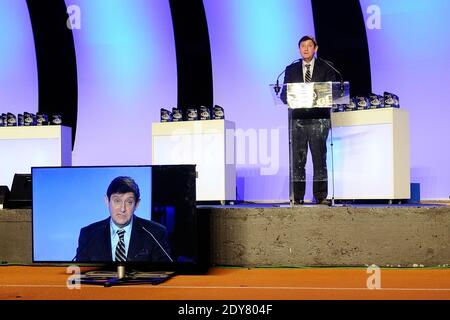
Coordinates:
x,y
308,73
120,249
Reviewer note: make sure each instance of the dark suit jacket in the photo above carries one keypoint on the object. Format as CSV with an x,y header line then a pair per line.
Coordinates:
x,y
321,73
94,243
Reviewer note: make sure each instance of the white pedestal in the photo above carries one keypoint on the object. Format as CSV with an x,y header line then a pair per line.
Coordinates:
x,y
38,146
209,144
371,155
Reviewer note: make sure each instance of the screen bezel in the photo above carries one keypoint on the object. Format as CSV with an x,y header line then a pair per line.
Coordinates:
x,y
200,246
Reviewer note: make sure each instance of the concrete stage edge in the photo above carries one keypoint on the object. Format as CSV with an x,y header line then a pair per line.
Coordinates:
x,y
310,235
317,235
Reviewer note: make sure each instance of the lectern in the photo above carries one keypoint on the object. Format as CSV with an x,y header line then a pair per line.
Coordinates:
x,y
372,154
209,144
314,100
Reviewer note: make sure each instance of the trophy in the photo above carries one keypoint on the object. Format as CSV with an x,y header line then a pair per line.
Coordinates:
x,y
20,120
11,119
29,119
205,113
166,116
192,114
376,101
3,120
338,107
391,100
361,102
177,115
351,106
56,120
41,119
218,113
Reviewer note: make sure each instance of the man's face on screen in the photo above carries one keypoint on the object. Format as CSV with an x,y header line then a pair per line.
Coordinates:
x,y
121,207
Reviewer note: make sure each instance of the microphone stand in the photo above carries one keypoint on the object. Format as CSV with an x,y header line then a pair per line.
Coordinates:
x,y
342,89
332,159
137,278
338,72
277,85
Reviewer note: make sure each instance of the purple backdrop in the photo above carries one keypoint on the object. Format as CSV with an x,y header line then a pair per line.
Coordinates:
x,y
127,72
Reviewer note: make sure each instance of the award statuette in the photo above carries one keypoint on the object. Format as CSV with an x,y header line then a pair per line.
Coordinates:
x,y
192,114
11,119
351,106
177,115
166,116
361,102
391,100
41,119
376,101
29,119
218,113
56,120
338,107
20,120
205,113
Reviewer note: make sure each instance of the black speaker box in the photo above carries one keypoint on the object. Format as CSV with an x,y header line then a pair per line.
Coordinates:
x,y
4,195
20,195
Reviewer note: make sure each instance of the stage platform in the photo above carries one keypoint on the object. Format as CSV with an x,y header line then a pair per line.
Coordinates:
x,y
279,235
317,235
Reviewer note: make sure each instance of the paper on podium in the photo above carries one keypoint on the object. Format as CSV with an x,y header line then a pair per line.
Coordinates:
x,y
312,94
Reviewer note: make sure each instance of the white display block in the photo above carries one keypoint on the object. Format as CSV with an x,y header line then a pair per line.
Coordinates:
x,y
34,146
209,144
371,155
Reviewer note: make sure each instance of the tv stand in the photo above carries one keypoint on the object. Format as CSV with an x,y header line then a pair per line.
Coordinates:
x,y
121,277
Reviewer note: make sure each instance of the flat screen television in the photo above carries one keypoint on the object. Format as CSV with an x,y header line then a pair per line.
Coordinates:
x,y
76,212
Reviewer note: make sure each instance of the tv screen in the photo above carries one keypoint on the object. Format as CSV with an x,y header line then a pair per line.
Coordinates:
x,y
143,216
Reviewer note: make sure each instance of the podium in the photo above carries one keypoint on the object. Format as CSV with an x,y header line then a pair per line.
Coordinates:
x,y
308,95
34,146
371,154
309,107
209,144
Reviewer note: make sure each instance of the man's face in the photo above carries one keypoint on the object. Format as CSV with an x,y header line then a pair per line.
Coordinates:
x,y
121,207
307,50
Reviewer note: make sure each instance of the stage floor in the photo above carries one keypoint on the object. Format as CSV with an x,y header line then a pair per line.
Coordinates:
x,y
338,204
49,283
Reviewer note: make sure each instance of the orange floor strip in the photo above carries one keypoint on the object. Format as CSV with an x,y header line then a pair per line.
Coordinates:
x,y
28,283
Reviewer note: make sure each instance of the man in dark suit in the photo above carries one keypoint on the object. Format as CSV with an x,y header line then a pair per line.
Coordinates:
x,y
123,236
308,126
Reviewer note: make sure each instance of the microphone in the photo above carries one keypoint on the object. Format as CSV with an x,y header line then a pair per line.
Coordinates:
x,y
82,251
277,85
159,244
338,72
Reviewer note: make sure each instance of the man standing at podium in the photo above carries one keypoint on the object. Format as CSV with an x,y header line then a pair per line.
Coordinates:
x,y
309,126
